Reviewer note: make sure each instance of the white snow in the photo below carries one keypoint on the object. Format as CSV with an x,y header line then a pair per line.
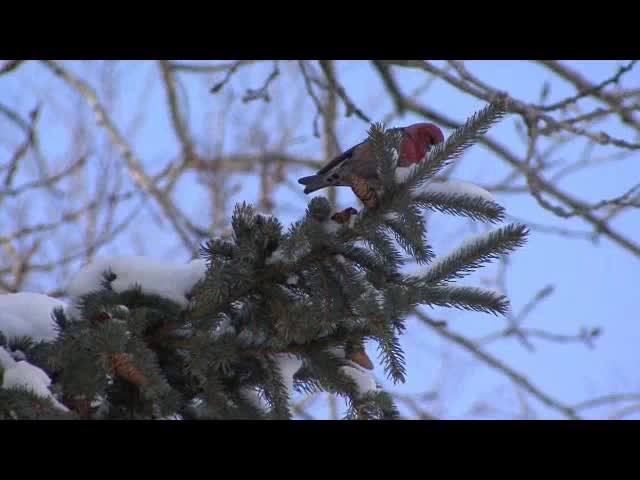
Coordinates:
x,y
293,279
402,173
224,327
288,365
275,257
29,314
160,277
338,351
461,188
24,375
331,227
392,216
6,360
372,292
18,355
294,256
252,396
279,257
364,380
395,156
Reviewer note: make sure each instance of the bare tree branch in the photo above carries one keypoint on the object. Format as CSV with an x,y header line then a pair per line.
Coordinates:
x,y
543,185
351,107
190,68
607,399
10,66
134,165
582,84
500,366
592,90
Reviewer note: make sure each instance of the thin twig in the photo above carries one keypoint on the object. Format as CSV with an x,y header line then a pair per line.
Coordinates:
x,y
590,91
229,73
263,91
607,399
134,165
191,68
351,107
10,66
500,366
503,152
581,84
46,182
514,105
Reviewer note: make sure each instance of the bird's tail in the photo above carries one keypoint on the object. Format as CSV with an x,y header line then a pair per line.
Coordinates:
x,y
313,183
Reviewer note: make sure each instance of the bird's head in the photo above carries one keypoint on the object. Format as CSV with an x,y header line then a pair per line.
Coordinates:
x,y
419,138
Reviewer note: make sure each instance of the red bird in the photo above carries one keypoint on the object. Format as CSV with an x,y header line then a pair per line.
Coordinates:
x,y
358,161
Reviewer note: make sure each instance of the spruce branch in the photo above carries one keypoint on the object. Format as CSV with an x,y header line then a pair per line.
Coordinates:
x,y
385,146
378,405
455,145
391,354
275,390
465,298
474,252
461,205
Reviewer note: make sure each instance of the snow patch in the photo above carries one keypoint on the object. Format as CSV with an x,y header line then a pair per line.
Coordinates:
x,y
166,279
252,396
279,257
460,188
18,355
288,365
395,156
364,380
275,257
29,314
6,360
402,173
392,216
24,375
331,227
338,351
224,327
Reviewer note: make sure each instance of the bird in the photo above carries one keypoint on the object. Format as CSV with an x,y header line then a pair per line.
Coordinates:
x,y
358,162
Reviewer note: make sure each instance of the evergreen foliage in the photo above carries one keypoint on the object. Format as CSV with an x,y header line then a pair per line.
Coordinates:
x,y
300,293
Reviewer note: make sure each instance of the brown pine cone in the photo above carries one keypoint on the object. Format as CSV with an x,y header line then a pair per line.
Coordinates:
x,y
363,191
354,351
344,216
125,369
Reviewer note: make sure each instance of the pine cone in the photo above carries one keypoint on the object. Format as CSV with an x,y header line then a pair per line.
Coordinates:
x,y
363,191
125,369
344,216
79,404
354,351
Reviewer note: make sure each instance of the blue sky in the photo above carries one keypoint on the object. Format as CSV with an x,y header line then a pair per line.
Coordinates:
x,y
594,283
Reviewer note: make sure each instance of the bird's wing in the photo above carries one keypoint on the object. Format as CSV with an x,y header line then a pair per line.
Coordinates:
x,y
339,159
347,154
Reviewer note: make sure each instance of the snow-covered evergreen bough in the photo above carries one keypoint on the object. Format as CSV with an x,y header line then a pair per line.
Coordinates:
x,y
263,314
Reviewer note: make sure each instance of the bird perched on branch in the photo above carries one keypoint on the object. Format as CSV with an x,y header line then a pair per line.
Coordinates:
x,y
356,167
